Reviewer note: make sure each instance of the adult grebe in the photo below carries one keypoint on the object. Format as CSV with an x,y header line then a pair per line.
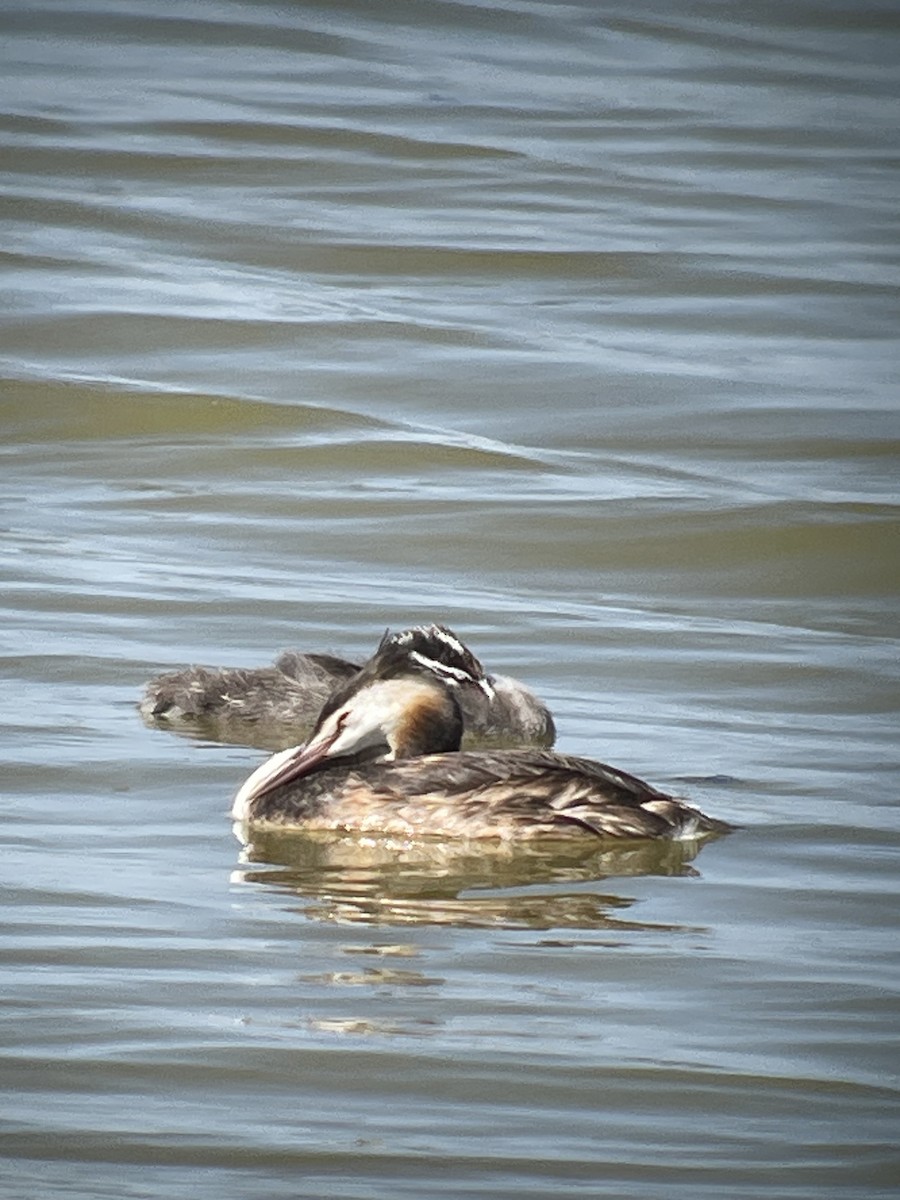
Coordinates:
x,y
496,709
384,758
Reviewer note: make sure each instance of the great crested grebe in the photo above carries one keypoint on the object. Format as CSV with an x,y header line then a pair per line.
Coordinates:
x,y
496,709
384,758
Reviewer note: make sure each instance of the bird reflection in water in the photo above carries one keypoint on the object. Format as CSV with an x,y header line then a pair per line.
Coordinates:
x,y
356,879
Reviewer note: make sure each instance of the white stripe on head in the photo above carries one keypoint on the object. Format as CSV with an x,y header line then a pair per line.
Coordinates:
x,y
440,634
452,675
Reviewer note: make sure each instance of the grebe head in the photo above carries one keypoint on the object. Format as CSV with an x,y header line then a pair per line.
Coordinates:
x,y
398,706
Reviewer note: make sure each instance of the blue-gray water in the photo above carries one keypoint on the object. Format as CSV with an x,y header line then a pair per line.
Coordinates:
x,y
574,326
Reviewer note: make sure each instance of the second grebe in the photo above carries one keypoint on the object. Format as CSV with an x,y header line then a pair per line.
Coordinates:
x,y
384,758
496,709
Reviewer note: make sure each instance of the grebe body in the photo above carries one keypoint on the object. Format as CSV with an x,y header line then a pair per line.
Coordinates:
x,y
384,758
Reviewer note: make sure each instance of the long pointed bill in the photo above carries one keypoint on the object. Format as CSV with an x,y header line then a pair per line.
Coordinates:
x,y
281,768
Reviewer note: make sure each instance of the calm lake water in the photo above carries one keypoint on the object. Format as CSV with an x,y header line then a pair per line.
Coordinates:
x,y
574,326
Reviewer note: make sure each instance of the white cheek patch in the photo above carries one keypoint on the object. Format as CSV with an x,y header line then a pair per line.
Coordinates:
x,y
358,734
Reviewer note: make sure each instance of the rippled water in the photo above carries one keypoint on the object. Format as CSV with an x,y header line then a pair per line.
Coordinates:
x,y
571,325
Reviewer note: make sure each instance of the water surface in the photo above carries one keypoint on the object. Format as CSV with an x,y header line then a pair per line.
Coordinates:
x,y
573,327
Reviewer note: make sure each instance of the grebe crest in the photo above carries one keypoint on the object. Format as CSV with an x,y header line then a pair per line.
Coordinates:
x,y
434,648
